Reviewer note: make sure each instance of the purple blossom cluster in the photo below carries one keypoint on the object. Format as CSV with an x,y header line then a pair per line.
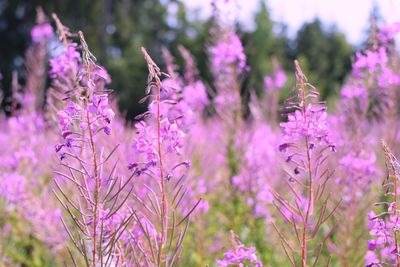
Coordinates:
x,y
12,188
146,143
92,111
254,177
276,80
354,92
361,167
228,53
42,32
308,123
23,186
383,244
374,78
25,156
195,96
388,33
184,98
66,63
383,247
239,256
370,61
229,64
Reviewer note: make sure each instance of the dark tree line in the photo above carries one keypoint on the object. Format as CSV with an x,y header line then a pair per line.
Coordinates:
x,y
115,31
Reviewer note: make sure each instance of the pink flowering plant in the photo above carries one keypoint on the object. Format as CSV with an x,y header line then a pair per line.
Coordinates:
x,y
96,220
383,247
209,174
308,144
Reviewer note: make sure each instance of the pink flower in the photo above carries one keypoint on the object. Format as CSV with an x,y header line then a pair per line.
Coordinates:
x,y
238,256
388,33
275,81
228,53
12,187
195,95
65,63
371,259
311,124
354,92
41,32
370,61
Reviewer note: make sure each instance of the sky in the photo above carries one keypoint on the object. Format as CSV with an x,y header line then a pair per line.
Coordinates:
x,y
350,16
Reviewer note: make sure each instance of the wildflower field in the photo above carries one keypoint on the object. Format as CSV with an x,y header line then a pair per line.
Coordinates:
x,y
206,176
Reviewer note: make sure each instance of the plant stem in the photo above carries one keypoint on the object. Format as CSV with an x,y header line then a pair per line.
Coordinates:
x,y
395,215
97,185
162,182
310,199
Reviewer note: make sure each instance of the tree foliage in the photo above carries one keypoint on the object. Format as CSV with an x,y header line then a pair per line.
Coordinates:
x,y
117,29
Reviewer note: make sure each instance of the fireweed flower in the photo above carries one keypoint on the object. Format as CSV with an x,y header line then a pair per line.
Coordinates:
x,y
359,170
22,183
307,144
227,53
371,259
387,33
273,84
66,62
358,167
309,123
26,163
257,169
99,198
370,61
96,108
66,117
186,97
12,187
195,96
159,144
375,69
229,64
146,143
383,248
36,60
240,255
42,32
100,108
388,78
43,218
355,92
276,80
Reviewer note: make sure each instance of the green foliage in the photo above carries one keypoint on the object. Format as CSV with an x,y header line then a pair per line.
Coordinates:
x,y
262,44
19,246
116,30
326,54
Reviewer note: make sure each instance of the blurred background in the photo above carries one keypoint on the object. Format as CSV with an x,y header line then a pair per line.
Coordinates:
x,y
323,35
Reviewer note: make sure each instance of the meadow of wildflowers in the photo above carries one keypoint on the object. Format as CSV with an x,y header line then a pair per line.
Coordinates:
x,y
204,177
